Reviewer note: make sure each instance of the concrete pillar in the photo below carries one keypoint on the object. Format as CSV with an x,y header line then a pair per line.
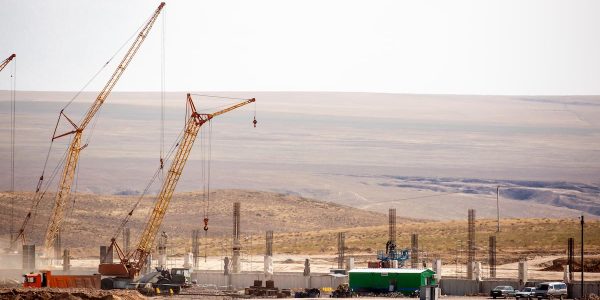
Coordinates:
x,y
236,263
522,272
268,269
106,255
148,267
437,268
306,267
66,260
28,258
162,260
350,263
471,266
477,271
226,265
188,258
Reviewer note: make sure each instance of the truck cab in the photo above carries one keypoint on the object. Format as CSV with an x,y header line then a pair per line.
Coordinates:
x,y
181,276
36,280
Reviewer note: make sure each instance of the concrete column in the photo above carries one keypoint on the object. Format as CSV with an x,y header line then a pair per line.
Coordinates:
x,y
268,268
66,260
226,265
236,264
522,272
437,268
307,267
188,258
350,264
106,255
148,264
162,260
28,258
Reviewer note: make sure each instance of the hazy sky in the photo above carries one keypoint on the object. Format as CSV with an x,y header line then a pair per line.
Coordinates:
x,y
460,47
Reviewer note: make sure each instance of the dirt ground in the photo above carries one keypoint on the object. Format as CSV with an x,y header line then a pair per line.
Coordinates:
x,y
70,294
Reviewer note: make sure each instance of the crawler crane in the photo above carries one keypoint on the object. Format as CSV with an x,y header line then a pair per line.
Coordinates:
x,y
132,263
76,146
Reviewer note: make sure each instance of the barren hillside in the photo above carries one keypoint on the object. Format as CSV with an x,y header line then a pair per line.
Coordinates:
x,y
93,219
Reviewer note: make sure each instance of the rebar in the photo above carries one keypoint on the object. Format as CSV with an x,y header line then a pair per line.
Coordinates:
x,y
341,237
492,256
414,250
269,243
392,225
471,244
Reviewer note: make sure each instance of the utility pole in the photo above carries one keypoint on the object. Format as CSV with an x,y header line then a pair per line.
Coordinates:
x,y
582,264
498,208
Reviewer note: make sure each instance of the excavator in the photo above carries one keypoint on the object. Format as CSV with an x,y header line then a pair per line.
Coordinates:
x,y
76,146
120,275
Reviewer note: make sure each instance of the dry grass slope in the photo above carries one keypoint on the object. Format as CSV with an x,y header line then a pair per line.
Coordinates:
x,y
301,226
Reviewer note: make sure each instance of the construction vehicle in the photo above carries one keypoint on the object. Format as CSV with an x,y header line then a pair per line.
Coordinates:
x,y
75,147
5,62
47,279
123,273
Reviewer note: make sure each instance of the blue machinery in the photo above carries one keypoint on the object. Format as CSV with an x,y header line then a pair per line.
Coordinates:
x,y
391,253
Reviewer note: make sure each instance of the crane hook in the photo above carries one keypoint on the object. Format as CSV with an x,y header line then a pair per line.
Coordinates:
x,y
205,224
254,122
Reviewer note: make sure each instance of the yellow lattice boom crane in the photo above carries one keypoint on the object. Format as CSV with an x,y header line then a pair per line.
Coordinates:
x,y
6,61
131,263
75,147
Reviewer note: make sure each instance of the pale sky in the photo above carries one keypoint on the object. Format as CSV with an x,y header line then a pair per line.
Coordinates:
x,y
437,47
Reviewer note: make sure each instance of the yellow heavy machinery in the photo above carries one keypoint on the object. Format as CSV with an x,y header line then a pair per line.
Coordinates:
x,y
132,263
76,146
6,61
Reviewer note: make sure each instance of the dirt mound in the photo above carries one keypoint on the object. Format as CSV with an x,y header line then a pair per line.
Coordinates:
x,y
70,294
591,265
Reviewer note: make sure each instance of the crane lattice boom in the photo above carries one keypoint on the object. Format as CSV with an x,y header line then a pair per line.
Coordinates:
x,y
75,147
132,263
6,61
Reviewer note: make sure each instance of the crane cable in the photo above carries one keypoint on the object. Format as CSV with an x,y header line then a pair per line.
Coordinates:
x,y
150,183
37,197
162,94
13,109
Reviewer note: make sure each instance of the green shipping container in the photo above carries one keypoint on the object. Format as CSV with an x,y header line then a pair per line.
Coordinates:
x,y
384,280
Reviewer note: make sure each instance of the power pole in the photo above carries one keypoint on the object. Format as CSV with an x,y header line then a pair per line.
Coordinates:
x,y
582,264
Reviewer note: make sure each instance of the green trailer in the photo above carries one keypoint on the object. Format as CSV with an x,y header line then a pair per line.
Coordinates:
x,y
385,280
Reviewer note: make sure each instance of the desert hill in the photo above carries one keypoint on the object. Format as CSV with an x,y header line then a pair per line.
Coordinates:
x,y
91,220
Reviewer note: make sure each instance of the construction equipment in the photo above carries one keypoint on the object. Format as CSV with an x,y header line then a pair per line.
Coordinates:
x,y
6,61
75,147
393,254
46,279
132,263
